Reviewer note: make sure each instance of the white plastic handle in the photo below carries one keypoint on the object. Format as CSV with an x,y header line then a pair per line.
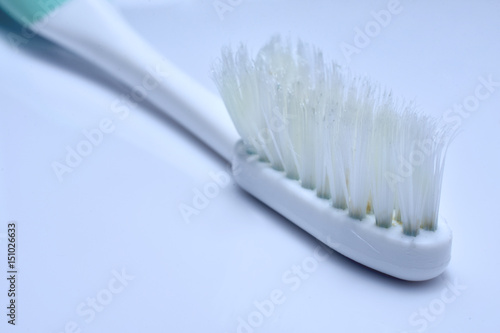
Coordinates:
x,y
95,31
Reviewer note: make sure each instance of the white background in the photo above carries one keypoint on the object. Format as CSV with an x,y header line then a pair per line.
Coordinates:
x,y
119,209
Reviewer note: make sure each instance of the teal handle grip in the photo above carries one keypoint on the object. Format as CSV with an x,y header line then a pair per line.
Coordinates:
x,y
30,11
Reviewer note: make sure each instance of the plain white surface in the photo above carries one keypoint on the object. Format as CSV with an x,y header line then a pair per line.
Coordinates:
x,y
119,209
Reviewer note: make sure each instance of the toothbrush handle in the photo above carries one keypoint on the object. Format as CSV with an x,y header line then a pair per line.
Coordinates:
x,y
95,31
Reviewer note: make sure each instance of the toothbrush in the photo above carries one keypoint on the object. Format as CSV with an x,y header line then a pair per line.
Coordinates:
x,y
313,142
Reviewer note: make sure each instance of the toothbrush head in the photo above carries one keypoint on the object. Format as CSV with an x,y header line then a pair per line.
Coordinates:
x,y
373,164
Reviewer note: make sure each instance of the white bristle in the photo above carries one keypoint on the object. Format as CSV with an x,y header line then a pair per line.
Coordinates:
x,y
339,135
383,145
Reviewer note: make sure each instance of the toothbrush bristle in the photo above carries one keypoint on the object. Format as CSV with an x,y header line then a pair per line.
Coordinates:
x,y
339,135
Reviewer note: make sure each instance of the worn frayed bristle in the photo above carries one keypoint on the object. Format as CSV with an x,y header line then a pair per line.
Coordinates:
x,y
340,135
